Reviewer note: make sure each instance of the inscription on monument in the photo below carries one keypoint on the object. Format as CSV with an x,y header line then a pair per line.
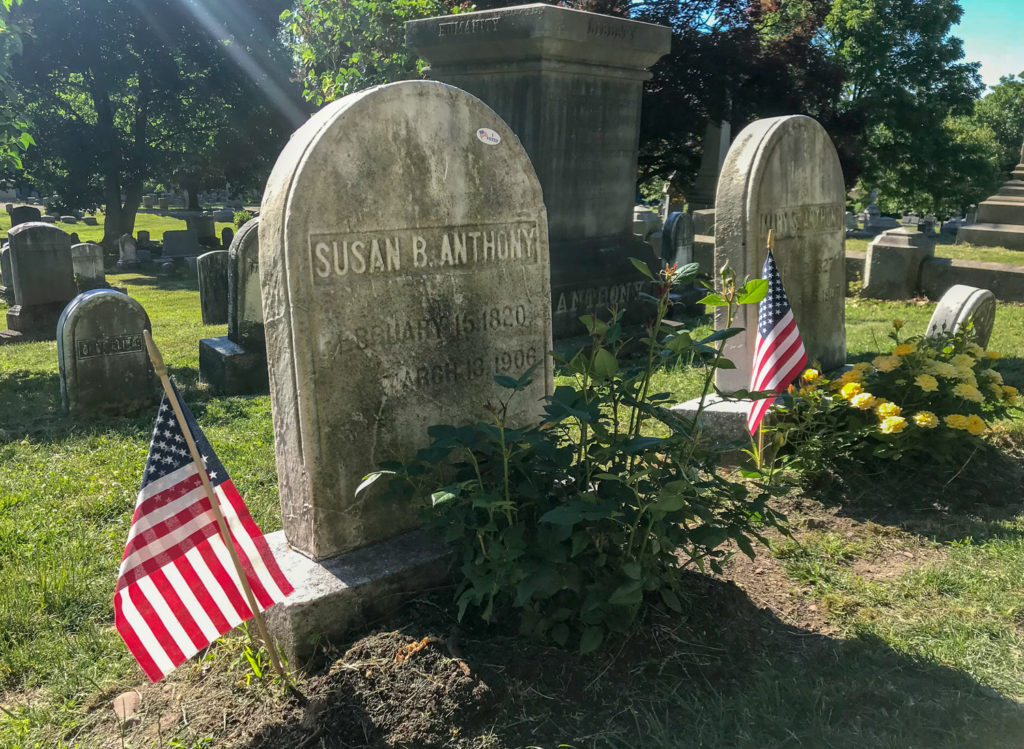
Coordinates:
x,y
467,26
108,346
802,219
607,30
600,297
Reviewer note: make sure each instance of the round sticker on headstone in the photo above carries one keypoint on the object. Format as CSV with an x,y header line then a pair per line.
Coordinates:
x,y
488,136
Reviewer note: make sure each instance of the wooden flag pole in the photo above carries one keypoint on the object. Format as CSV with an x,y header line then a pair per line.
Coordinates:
x,y
161,371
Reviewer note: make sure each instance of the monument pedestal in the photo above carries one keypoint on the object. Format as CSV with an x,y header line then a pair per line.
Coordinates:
x,y
722,420
232,369
1000,220
35,320
336,596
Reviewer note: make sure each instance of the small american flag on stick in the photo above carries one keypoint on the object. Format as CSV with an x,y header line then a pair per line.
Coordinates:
x,y
779,354
178,587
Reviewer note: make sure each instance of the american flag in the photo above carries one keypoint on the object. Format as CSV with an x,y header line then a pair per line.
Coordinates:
x,y
779,354
177,589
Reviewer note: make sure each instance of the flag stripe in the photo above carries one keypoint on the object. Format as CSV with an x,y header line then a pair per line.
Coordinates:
x,y
256,545
222,605
138,638
154,626
164,622
203,593
179,610
207,629
778,370
215,555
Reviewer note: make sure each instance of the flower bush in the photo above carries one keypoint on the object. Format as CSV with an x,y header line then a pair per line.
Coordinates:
x,y
931,398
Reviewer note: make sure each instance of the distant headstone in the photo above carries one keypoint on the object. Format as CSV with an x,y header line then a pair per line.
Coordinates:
x,y
851,222
181,243
128,249
715,147
147,201
87,260
962,304
236,364
6,275
164,203
9,207
204,228
142,238
645,222
893,263
75,239
48,219
783,174
213,286
226,235
704,222
22,214
43,277
102,357
89,220
69,219
677,239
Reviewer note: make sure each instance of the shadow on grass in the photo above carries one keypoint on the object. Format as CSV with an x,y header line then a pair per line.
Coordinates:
x,y
723,674
164,283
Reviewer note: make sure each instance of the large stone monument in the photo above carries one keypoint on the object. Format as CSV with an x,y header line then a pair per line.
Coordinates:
x,y
236,364
404,264
569,84
716,146
43,278
103,362
212,268
1000,219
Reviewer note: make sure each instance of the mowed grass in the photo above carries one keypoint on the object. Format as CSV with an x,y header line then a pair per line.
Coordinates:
x,y
154,223
944,247
917,656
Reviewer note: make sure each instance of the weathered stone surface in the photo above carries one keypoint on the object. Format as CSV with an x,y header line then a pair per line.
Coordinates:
x,y
204,227
69,219
128,257
783,174
704,222
227,234
716,146
939,274
893,264
163,203
404,264
89,220
23,214
569,84
245,306
101,354
963,304
1000,219
213,286
232,369
87,261
41,269
181,243
6,275
677,239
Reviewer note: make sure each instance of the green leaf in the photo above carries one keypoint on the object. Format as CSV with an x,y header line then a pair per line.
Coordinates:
x,y
628,594
753,291
506,382
605,364
721,335
641,266
632,570
370,478
560,633
671,600
713,300
441,497
591,639
572,512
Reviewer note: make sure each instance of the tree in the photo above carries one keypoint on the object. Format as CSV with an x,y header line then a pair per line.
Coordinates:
x,y
1002,110
149,90
14,136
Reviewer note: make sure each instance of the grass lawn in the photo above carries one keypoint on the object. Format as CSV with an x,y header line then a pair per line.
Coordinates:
x,y
155,224
892,618
945,248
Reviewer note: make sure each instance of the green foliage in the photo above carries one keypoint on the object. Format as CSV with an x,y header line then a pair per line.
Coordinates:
x,y
14,136
929,400
1002,111
241,217
574,524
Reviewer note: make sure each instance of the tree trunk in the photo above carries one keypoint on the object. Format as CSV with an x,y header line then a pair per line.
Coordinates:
x,y
110,158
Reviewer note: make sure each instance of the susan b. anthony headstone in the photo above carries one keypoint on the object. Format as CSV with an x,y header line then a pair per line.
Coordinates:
x,y
103,362
213,286
404,264
783,175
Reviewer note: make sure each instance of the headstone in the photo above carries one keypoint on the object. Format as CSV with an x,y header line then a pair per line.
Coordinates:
x,y
6,275
677,239
103,362
147,201
226,235
204,229
9,207
69,219
645,222
569,83
236,364
851,221
972,215
892,268
704,222
961,304
164,203
75,239
928,224
716,146
22,214
43,277
48,219
395,287
181,243
142,238
128,250
213,286
783,174
87,260
89,220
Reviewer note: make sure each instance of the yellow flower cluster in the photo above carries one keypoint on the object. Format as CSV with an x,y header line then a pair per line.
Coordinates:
x,y
927,383
886,363
926,419
885,409
968,392
973,424
893,425
863,401
903,349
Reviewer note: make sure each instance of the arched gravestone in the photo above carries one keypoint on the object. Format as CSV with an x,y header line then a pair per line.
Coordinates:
x,y
102,357
23,214
404,264
783,174
213,286
677,239
961,304
43,278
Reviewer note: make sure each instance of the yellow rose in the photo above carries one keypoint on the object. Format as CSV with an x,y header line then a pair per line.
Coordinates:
x,y
1010,393
863,401
885,409
975,425
893,425
975,350
956,421
851,390
927,383
968,392
967,375
996,390
897,323
903,349
993,355
926,419
861,368
885,363
811,375
962,361
990,375
943,369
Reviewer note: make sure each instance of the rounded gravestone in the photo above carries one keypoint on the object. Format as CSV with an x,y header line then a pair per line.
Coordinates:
x,y
404,264
677,239
102,358
245,306
212,269
962,304
783,174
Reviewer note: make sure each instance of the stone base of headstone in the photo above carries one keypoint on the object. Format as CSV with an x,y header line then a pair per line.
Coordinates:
x,y
128,265
893,264
333,598
7,294
10,336
232,369
38,321
192,262
704,253
722,420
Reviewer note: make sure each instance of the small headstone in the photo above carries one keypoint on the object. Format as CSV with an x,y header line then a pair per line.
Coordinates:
x,y
144,256
43,277
892,267
227,234
147,201
69,219
142,238
9,207
213,286
704,222
851,221
102,357
677,239
204,228
129,259
87,260
48,219
75,239
22,214
89,220
783,174
164,203
181,243
715,147
962,304
645,222
6,276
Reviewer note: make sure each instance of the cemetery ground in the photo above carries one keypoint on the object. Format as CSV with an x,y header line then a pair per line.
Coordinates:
x,y
155,223
893,617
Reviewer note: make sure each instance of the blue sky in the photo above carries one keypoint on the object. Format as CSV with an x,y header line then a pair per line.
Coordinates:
x,y
993,34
